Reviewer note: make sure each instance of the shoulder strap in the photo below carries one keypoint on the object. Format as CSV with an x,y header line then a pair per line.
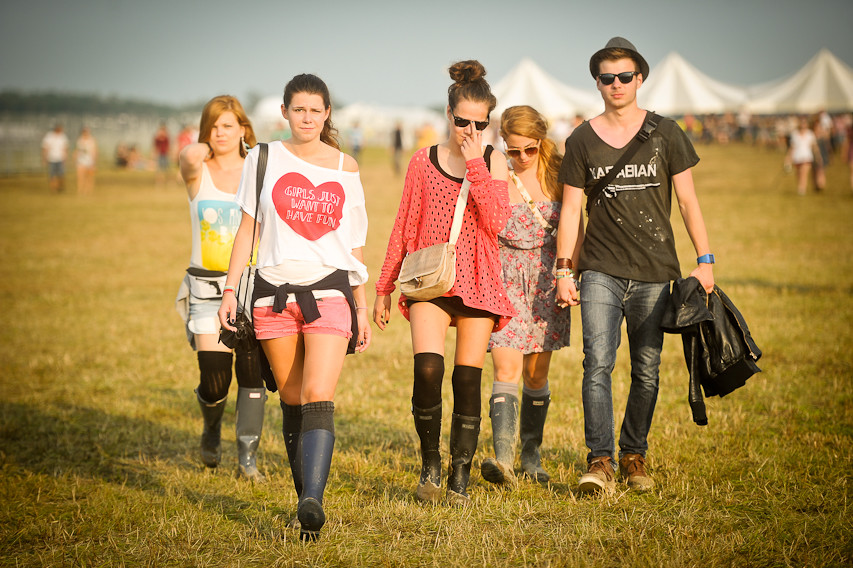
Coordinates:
x,y
456,227
532,204
263,152
652,121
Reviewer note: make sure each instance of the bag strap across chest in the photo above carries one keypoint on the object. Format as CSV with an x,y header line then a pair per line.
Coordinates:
x,y
645,132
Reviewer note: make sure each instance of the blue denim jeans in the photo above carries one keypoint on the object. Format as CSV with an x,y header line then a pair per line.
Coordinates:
x,y
605,302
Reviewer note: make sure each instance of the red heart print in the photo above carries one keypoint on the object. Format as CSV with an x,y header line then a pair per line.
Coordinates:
x,y
310,211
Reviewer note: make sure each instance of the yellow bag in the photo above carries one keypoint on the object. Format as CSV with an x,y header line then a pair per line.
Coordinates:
x,y
430,272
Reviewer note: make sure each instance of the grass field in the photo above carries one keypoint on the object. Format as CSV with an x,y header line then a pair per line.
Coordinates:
x,y
99,425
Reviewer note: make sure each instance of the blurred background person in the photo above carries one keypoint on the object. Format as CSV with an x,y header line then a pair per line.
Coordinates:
x,y
54,152
86,159
161,144
802,154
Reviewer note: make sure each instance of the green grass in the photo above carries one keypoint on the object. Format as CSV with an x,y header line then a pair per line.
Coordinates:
x,y
99,426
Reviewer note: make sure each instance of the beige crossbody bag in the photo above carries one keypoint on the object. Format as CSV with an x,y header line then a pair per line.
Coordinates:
x,y
430,272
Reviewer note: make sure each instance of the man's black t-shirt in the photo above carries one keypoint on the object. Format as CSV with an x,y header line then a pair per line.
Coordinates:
x,y
629,234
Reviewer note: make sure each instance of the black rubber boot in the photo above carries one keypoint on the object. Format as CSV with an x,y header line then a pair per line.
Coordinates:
x,y
211,436
503,409
250,423
291,428
317,447
464,431
534,410
428,427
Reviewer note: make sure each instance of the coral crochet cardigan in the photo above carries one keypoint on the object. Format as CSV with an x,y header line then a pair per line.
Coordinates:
x,y
424,219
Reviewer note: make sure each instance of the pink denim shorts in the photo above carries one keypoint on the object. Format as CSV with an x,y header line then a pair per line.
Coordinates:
x,y
335,319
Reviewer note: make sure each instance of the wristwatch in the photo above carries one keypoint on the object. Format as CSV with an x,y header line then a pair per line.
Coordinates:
x,y
705,259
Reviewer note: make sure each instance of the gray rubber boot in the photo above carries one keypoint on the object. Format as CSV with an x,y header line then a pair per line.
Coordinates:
x,y
534,410
503,409
464,431
211,436
428,427
250,423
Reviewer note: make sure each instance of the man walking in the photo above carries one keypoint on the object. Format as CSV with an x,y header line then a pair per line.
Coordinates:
x,y
627,258
54,152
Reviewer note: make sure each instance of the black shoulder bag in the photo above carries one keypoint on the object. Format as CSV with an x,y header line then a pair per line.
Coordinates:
x,y
652,121
245,334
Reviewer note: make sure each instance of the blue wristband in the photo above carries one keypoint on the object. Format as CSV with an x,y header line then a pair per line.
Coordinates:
x,y
705,259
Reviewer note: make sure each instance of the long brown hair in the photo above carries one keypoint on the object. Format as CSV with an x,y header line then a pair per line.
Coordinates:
x,y
313,85
469,83
526,121
214,109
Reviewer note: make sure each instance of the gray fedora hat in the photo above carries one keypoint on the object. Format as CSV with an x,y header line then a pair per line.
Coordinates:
x,y
618,43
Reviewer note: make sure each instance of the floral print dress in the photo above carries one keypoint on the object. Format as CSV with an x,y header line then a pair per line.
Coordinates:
x,y
528,253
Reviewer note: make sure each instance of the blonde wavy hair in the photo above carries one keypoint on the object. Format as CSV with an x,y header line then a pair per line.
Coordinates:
x,y
526,121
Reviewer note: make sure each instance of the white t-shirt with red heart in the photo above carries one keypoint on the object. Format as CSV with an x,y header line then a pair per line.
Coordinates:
x,y
309,214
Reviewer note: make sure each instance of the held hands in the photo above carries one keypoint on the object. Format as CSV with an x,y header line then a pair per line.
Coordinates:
x,y
382,311
472,144
228,311
567,293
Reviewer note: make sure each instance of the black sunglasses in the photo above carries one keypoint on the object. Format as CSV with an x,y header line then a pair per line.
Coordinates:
x,y
624,78
463,122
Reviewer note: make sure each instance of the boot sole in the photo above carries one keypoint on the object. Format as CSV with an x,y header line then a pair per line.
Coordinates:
x,y
251,473
594,485
494,471
428,491
457,499
311,519
538,476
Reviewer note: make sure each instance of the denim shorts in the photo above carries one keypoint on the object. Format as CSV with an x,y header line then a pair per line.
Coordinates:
x,y
204,316
55,169
335,319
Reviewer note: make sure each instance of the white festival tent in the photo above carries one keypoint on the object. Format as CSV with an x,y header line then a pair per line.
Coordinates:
x,y
675,87
528,84
824,83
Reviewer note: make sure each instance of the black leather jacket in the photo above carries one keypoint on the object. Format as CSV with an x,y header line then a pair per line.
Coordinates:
x,y
718,348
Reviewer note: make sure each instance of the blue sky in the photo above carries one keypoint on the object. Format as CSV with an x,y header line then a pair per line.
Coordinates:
x,y
393,53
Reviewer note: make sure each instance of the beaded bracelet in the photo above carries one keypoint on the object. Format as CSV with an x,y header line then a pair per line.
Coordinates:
x,y
565,273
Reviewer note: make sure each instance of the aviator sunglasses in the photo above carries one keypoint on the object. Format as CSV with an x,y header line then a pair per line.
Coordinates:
x,y
463,122
530,151
624,78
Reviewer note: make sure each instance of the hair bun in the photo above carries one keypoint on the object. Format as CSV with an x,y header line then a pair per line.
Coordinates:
x,y
467,71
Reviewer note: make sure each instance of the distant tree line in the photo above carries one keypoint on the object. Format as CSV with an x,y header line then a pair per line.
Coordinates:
x,y
20,102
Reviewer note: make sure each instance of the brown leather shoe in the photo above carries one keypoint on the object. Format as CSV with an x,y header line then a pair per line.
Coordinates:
x,y
599,477
632,467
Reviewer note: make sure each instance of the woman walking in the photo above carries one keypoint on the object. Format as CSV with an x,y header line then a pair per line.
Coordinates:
x,y
477,303
211,170
309,305
528,249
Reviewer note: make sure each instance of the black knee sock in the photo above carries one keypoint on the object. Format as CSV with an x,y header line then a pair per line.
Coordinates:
x,y
247,367
466,390
318,416
214,375
429,373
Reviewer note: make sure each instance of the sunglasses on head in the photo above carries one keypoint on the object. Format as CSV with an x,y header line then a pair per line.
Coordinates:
x,y
463,122
529,151
624,78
